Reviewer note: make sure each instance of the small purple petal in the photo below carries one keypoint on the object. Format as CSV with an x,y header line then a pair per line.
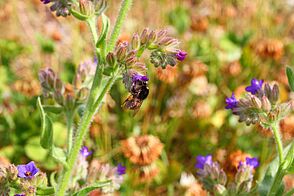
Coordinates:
x,y
45,1
255,86
21,194
231,102
181,55
202,160
121,169
138,77
252,162
85,151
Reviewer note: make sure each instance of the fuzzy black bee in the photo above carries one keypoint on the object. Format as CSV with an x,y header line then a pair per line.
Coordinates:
x,y
139,91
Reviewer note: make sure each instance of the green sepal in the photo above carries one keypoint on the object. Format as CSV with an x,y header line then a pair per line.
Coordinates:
x,y
79,15
290,76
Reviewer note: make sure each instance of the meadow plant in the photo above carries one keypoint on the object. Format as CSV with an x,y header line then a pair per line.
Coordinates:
x,y
93,80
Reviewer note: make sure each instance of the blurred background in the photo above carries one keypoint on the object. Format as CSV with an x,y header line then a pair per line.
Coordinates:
x,y
228,42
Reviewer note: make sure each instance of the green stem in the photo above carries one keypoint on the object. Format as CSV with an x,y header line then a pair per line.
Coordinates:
x,y
125,6
81,132
277,136
276,184
69,124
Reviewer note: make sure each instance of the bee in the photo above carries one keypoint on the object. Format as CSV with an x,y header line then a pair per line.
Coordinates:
x,y
139,93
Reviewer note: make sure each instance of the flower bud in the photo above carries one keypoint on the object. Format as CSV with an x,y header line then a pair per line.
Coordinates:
x,y
266,105
58,97
58,85
135,43
69,102
152,37
41,180
86,7
161,34
122,51
144,36
256,102
110,59
82,95
11,172
275,94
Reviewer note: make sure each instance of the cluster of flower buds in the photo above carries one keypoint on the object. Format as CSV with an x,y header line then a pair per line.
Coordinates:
x,y
214,178
164,49
244,175
80,9
68,96
61,7
260,105
24,179
210,173
102,171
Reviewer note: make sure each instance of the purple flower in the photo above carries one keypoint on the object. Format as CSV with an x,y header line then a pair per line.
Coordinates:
x,y
20,194
181,55
27,171
231,102
45,1
121,170
203,160
138,77
254,87
252,162
85,151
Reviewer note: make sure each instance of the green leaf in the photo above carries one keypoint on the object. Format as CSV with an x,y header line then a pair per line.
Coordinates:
x,y
59,155
34,151
104,32
288,163
290,75
88,189
290,193
46,140
78,15
45,191
273,176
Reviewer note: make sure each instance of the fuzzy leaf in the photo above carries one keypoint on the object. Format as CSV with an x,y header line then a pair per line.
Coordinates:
x,y
59,155
88,189
290,76
46,140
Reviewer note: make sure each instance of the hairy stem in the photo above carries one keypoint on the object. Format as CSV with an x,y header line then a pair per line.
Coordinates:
x,y
69,125
125,6
277,136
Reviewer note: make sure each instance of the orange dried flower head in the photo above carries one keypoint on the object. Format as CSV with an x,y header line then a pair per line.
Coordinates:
x,y
270,48
199,23
147,173
196,190
201,110
287,127
142,150
193,70
168,75
234,68
28,88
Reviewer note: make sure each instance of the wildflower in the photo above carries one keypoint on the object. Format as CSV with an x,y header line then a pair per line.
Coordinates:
x,y
254,87
252,162
121,169
209,172
181,55
231,102
270,48
233,160
142,150
85,151
187,179
27,171
21,194
203,160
